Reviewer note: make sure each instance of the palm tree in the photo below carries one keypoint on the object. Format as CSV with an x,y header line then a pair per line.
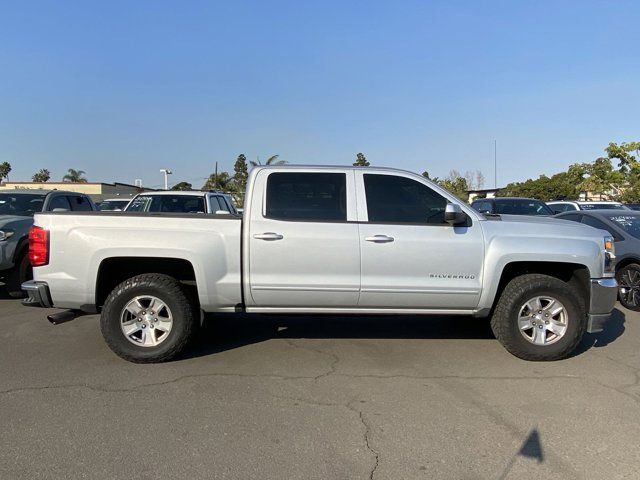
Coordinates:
x,y
75,176
273,160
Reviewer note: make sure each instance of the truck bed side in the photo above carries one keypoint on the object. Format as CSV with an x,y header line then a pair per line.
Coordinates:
x,y
82,243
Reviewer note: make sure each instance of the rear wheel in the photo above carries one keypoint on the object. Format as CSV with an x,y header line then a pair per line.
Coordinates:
x,y
539,317
628,278
20,273
148,319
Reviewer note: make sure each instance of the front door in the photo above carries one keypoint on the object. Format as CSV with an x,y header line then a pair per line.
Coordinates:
x,y
303,240
412,258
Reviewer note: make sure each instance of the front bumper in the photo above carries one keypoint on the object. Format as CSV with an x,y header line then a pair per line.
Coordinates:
x,y
602,299
38,294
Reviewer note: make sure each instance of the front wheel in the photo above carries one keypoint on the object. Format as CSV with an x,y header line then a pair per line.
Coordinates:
x,y
148,319
628,278
539,317
20,273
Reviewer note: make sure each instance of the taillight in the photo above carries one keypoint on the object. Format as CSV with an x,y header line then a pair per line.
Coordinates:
x,y
38,246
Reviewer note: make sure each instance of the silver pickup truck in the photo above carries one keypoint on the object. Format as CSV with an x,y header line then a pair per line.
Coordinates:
x,y
325,240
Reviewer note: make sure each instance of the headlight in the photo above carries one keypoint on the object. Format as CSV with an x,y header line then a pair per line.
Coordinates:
x,y
609,255
4,235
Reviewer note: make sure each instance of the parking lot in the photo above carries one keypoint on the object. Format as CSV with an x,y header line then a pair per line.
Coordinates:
x,y
322,398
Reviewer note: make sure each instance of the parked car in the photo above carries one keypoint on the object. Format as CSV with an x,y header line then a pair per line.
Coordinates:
x,y
511,206
183,202
114,204
559,206
334,240
624,227
17,208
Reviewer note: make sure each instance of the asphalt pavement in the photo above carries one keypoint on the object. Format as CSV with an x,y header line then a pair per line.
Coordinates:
x,y
286,397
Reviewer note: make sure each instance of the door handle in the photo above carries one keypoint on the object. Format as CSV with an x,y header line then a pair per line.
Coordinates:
x,y
379,239
268,236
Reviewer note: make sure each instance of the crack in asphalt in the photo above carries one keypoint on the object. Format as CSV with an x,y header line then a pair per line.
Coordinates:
x,y
367,441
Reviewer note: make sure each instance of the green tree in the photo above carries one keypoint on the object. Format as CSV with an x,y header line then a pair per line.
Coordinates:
x,y
240,172
361,161
623,153
182,186
5,168
41,176
456,184
220,182
74,176
272,160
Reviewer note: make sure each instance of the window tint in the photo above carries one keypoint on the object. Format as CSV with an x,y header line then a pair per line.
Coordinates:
x,y
218,203
594,222
520,206
20,204
60,202
402,200
600,206
574,217
483,206
167,204
79,204
562,207
307,196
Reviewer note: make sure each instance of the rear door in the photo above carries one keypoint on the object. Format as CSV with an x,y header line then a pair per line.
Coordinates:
x,y
412,258
303,246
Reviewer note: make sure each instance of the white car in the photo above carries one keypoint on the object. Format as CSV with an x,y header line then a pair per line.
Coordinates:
x,y
560,206
183,201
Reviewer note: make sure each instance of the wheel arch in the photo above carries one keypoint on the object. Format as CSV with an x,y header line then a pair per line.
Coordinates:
x,y
114,270
575,274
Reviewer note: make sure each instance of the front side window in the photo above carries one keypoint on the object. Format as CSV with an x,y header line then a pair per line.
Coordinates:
x,y
396,199
307,196
482,206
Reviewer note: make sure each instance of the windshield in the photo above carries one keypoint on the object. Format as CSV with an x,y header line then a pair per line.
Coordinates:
x,y
629,223
603,206
167,204
111,205
20,204
521,206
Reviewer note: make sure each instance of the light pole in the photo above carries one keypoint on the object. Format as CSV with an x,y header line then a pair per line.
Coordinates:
x,y
166,172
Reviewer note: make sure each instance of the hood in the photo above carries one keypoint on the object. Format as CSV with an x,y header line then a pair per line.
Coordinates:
x,y
15,222
537,226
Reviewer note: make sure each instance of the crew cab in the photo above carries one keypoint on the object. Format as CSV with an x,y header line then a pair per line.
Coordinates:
x,y
17,208
325,240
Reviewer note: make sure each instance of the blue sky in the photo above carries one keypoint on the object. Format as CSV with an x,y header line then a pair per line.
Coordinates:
x,y
121,89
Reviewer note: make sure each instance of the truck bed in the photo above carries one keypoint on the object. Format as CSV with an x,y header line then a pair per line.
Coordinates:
x,y
210,243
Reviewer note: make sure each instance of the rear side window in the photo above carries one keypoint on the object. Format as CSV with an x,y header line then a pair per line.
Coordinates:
x,y
562,207
59,202
79,204
307,196
483,206
574,217
396,199
218,203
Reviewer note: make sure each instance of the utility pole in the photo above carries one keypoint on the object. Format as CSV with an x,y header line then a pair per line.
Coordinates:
x,y
495,164
215,184
166,172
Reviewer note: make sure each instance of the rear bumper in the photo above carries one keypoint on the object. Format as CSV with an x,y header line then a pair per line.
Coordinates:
x,y
38,294
604,293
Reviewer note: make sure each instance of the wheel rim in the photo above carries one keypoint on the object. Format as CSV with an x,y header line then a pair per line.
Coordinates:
x,y
630,287
543,320
146,321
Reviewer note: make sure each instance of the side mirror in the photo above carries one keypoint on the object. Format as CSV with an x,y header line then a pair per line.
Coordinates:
x,y
222,212
454,215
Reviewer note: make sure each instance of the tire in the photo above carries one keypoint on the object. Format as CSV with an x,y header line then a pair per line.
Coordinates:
x,y
512,314
134,294
20,273
628,278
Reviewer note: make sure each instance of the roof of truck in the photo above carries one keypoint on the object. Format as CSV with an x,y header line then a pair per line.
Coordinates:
x,y
195,193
